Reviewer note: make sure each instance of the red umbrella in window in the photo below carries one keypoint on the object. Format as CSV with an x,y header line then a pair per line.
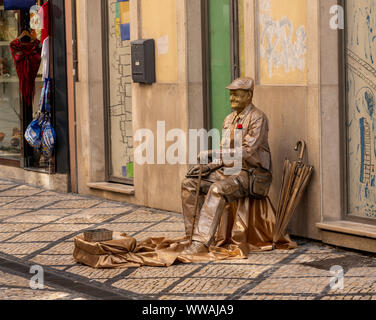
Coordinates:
x,y
27,59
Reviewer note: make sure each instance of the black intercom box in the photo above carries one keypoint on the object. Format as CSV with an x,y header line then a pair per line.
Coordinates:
x,y
143,61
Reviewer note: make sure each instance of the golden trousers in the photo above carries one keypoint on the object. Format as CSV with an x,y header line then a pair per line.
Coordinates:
x,y
220,189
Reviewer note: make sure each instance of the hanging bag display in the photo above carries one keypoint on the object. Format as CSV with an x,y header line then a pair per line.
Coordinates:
x,y
40,134
18,4
33,134
48,137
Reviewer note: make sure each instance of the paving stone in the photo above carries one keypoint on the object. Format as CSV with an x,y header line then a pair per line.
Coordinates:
x,y
106,211
19,192
100,275
295,286
6,186
361,272
310,257
7,235
86,218
26,218
63,248
231,271
18,288
169,235
24,204
313,248
54,212
60,268
173,271
28,187
192,298
20,248
126,227
10,212
266,258
19,227
353,285
176,219
66,196
208,286
64,227
168,226
75,204
5,200
40,236
110,205
9,182
54,260
142,216
55,198
29,294
299,271
145,286
277,297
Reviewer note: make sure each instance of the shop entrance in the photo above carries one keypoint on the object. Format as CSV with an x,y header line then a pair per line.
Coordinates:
x,y
17,110
360,111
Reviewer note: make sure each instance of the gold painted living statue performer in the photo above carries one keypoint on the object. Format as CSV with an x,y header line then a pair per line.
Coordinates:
x,y
231,222
252,225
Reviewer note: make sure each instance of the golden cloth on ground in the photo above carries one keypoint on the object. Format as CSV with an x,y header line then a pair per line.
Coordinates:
x,y
246,226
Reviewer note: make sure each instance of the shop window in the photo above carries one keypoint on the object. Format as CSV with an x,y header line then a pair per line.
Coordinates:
x,y
118,92
16,113
10,110
361,108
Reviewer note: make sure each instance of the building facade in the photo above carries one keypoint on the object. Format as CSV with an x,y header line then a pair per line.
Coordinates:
x,y
314,80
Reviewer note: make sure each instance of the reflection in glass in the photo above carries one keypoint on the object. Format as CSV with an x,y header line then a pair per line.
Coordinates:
x,y
10,131
120,93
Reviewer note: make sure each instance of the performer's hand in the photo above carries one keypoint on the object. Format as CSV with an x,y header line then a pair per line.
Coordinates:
x,y
195,171
207,155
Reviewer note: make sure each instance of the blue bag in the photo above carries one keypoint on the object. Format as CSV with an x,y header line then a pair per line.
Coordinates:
x,y
40,134
48,138
18,4
33,134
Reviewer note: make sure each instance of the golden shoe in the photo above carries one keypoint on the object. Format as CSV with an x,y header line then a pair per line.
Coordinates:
x,y
195,248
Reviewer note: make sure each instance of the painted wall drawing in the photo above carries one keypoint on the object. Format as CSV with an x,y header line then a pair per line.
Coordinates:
x,y
282,41
361,103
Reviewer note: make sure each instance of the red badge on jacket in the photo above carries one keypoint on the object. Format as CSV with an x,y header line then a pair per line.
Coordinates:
x,y
240,126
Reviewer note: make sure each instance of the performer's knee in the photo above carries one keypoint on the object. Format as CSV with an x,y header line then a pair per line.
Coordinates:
x,y
188,184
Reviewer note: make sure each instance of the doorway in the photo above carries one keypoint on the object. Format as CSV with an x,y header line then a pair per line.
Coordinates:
x,y
222,56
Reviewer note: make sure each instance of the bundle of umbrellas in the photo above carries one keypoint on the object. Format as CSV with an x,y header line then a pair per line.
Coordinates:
x,y
295,180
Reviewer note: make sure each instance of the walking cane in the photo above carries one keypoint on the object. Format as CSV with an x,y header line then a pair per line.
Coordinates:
x,y
196,201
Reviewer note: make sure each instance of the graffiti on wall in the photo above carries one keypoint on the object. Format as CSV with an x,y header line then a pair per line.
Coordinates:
x,y
282,41
361,104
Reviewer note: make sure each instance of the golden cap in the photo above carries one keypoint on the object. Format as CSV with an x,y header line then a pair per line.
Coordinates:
x,y
242,84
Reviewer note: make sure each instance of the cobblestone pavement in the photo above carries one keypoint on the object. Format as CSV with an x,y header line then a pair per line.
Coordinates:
x,y
37,227
14,287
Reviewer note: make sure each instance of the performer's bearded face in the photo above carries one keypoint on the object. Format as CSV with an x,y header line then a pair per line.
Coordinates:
x,y
240,99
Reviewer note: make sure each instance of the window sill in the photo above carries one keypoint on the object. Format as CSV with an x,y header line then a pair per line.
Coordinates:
x,y
112,187
349,227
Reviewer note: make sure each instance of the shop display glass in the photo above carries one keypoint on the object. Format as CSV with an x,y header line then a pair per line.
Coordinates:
x,y
119,93
361,102
10,111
